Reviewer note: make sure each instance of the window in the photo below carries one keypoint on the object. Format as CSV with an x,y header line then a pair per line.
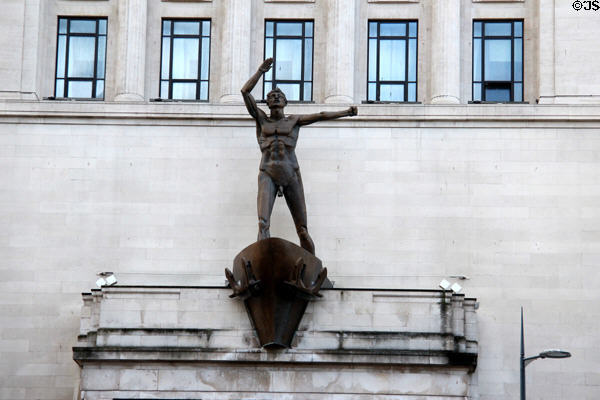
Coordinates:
x,y
290,43
392,66
80,58
498,60
185,59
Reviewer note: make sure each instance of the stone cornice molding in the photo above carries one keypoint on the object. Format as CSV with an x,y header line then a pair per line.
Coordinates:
x,y
159,113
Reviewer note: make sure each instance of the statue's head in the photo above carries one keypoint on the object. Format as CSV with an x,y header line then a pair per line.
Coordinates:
x,y
276,98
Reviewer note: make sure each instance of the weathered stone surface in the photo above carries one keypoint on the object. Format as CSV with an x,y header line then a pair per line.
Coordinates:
x,y
426,354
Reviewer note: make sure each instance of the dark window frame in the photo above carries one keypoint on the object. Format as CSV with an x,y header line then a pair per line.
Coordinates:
x,y
94,79
170,79
378,82
499,84
302,81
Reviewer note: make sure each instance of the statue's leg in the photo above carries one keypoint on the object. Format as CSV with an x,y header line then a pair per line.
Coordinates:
x,y
294,196
265,199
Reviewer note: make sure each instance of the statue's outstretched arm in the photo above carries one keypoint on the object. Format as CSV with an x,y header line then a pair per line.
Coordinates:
x,y
247,88
325,115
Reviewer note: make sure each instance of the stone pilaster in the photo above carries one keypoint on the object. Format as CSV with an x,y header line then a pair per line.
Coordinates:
x,y
340,51
546,9
31,37
131,62
445,52
235,53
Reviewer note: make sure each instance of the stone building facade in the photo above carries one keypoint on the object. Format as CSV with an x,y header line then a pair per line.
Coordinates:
x,y
504,194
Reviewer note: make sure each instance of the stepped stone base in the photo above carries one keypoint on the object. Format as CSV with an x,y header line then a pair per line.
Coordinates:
x,y
196,343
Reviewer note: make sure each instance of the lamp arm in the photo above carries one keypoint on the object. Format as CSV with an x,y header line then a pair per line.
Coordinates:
x,y
529,360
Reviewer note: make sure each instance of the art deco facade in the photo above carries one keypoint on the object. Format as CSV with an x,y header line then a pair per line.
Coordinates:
x,y
125,147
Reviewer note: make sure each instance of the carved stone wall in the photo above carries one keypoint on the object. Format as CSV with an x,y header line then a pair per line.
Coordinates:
x,y
178,342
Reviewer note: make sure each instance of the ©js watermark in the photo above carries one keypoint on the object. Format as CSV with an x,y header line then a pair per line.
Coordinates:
x,y
587,5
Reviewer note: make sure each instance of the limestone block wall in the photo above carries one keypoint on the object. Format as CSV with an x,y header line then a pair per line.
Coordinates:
x,y
399,197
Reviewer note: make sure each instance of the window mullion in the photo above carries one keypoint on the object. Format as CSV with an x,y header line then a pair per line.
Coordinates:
x,y
95,61
406,46
199,63
483,81
170,60
274,65
302,61
377,88
67,50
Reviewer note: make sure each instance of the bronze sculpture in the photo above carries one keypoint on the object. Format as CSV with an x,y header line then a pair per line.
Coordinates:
x,y
279,172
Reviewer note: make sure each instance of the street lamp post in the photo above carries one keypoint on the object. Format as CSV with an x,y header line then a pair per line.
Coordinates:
x,y
526,360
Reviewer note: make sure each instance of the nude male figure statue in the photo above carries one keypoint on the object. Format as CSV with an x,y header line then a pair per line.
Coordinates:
x,y
277,135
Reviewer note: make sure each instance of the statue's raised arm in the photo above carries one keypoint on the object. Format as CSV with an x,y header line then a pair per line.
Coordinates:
x,y
254,111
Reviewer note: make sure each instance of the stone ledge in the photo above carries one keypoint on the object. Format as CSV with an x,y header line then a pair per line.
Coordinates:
x,y
225,114
388,357
345,321
152,341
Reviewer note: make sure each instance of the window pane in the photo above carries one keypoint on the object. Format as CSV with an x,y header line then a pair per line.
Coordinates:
x,y
412,60
518,57
477,92
518,29
412,92
289,59
518,95
101,57
185,59
372,59
60,57
269,29
308,29
83,26
81,57
269,54
203,90
166,28
477,59
205,58
100,89
391,93
498,29
268,86
205,28
497,61
412,29
289,28
62,25
307,91
80,89
184,90
60,88
372,93
392,61
186,28
497,94
392,29
102,27
477,29
166,54
308,59
291,90
372,29
164,89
